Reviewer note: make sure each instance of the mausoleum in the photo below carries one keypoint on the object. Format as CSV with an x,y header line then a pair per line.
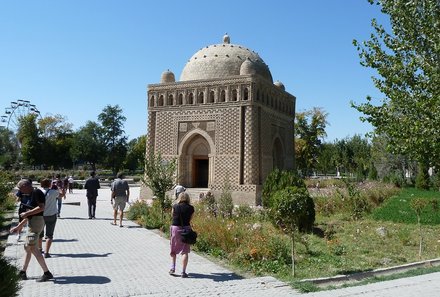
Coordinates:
x,y
225,121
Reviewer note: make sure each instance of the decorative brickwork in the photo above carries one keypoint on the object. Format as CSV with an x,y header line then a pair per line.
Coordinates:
x,y
229,126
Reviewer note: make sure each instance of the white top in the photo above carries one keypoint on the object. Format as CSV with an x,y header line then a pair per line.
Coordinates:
x,y
50,207
179,189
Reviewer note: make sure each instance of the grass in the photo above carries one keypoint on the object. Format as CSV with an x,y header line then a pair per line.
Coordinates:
x,y
340,244
398,209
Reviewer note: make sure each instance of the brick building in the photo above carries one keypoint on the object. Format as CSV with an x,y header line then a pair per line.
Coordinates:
x,y
225,121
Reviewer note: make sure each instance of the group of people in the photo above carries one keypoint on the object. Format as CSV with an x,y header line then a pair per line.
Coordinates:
x,y
40,207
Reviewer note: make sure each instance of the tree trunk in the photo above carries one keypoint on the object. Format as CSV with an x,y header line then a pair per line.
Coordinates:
x,y
421,237
293,254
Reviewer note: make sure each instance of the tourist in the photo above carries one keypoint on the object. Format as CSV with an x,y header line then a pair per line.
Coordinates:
x,y
35,219
178,189
120,195
92,185
182,213
57,184
71,181
49,215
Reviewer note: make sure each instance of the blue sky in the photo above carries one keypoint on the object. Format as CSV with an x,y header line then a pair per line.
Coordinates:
x,y
75,57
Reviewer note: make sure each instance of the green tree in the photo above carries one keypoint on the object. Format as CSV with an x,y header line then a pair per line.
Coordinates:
x,y
407,62
309,132
159,176
112,122
292,207
390,167
418,205
135,158
56,136
8,149
87,145
278,180
29,137
327,158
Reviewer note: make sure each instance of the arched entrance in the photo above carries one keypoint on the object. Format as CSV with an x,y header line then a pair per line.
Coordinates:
x,y
195,157
277,154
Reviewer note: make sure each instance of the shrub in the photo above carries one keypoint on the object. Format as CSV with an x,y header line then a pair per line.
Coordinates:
x,y
225,204
9,279
244,211
150,217
278,180
422,179
209,204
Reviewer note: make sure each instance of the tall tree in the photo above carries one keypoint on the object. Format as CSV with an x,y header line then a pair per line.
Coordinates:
x,y
30,140
56,134
87,145
309,132
135,158
112,122
407,62
159,176
8,148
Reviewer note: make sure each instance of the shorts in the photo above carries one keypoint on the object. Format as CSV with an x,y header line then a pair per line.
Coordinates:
x,y
120,202
50,222
35,226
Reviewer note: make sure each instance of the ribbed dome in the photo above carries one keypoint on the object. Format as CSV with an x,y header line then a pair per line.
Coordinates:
x,y
224,60
167,77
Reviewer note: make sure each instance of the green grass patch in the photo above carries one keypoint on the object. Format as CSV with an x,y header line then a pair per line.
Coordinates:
x,y
398,208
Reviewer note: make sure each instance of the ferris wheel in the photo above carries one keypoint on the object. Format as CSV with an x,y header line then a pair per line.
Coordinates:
x,y
17,110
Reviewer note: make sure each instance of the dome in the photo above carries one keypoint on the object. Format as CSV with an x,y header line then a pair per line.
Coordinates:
x,y
224,60
248,67
279,85
167,77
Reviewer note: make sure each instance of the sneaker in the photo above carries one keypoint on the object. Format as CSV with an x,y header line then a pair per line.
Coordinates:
x,y
47,255
22,275
45,277
184,275
171,271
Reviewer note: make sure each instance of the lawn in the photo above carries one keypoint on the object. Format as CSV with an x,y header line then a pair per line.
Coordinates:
x,y
385,235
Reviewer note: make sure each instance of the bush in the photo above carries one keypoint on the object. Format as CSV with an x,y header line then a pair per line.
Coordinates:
x,y
278,180
150,217
209,204
9,279
244,211
293,208
225,204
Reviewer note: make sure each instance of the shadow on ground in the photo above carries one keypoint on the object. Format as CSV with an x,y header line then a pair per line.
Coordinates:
x,y
217,277
87,279
84,255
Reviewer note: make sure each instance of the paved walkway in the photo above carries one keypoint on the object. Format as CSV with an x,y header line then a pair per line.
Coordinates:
x,y
95,258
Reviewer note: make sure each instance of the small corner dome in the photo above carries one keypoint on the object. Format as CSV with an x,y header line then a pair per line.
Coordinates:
x,y
279,85
167,77
248,67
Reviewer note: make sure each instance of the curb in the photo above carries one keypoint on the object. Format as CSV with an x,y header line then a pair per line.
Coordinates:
x,y
339,279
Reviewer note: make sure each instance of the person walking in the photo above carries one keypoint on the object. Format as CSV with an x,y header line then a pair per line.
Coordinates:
x,y
34,217
182,213
120,196
178,189
92,185
71,182
57,184
49,215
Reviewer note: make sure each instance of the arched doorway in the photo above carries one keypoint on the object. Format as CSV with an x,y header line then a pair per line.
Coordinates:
x,y
277,154
196,155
